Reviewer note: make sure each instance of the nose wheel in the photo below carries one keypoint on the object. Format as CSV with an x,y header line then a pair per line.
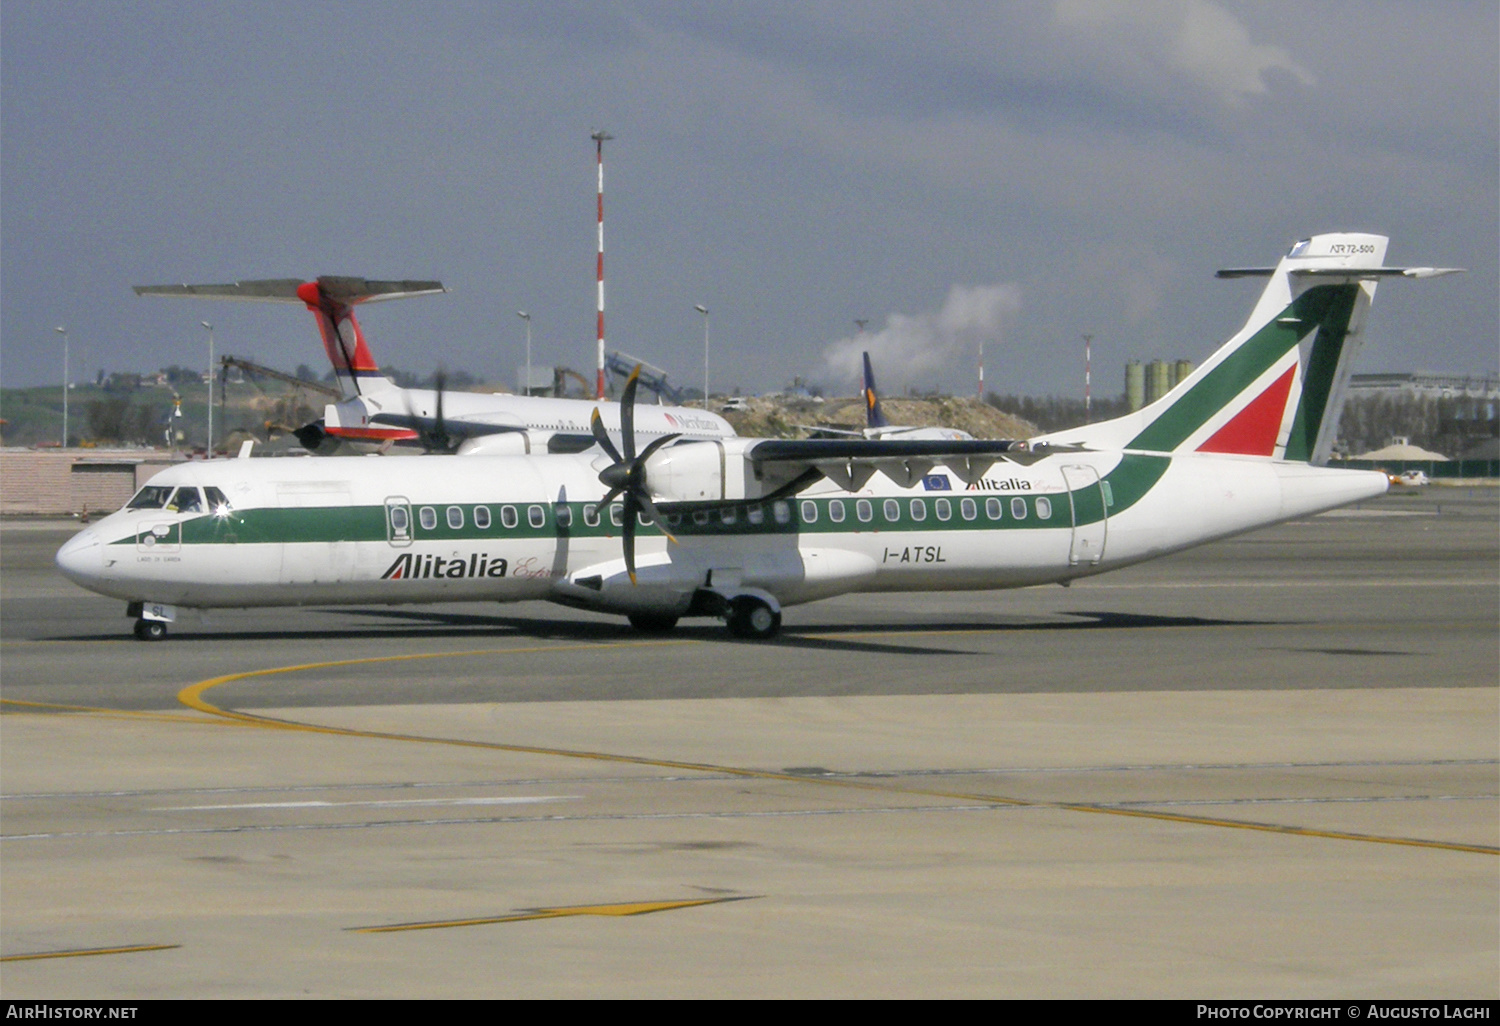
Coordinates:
x,y
150,630
753,618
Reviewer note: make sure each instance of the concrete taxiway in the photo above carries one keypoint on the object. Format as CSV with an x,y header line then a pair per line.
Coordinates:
x,y
1267,767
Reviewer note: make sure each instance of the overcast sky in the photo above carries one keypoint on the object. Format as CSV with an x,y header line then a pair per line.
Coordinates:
x,y
1016,173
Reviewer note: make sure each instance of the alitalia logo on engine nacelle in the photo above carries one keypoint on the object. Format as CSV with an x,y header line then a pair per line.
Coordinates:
x,y
410,566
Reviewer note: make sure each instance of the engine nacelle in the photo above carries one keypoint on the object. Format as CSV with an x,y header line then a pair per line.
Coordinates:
x,y
502,443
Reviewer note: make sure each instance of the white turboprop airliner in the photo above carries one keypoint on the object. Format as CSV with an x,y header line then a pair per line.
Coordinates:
x,y
377,410
740,527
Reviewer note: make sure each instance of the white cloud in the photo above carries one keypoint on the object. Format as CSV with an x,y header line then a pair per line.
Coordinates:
x,y
1192,38
920,349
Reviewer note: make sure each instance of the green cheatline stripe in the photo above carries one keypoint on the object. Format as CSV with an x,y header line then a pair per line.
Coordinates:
x,y
1127,483
1325,307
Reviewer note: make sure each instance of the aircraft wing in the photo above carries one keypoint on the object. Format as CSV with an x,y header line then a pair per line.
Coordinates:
x,y
793,464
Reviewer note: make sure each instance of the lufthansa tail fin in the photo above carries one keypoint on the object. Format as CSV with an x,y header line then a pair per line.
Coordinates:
x,y
874,415
331,299
1276,388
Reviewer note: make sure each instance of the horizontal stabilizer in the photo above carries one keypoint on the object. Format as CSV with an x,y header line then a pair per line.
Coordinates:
x,y
348,291
1363,273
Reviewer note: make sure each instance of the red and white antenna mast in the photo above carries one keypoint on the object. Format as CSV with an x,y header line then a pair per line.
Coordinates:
x,y
599,138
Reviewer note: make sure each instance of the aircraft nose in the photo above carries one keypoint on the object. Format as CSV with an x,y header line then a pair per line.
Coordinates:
x,y
81,559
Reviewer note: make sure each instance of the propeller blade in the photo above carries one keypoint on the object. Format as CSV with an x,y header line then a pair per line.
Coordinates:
x,y
656,517
627,413
629,534
650,449
596,425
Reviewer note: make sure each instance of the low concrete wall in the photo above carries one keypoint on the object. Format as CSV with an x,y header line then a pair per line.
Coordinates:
x,y
54,481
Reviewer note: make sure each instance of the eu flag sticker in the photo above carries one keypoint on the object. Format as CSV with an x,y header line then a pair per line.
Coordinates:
x,y
937,483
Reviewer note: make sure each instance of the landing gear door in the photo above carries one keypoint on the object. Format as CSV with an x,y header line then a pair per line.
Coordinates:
x,y
1087,500
398,521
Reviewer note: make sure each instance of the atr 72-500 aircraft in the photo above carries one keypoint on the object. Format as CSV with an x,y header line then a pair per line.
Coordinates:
x,y
738,528
377,410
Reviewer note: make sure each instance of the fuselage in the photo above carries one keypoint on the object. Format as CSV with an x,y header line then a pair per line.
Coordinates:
x,y
264,532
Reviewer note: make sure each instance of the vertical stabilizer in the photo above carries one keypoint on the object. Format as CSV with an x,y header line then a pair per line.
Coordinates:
x,y
1276,388
874,415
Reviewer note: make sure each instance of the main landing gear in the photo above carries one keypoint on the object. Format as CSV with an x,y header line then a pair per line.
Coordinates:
x,y
750,616
753,618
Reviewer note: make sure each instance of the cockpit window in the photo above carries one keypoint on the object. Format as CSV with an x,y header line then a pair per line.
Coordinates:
x,y
218,502
150,497
187,500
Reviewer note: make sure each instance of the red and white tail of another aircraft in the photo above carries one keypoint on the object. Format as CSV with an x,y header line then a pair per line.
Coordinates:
x,y
376,410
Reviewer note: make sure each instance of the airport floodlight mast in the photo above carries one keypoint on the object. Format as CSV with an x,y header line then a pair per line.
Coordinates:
x,y
704,311
526,388
599,139
64,333
210,328
1088,379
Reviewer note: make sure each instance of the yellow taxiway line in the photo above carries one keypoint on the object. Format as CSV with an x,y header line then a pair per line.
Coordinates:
x,y
631,908
192,697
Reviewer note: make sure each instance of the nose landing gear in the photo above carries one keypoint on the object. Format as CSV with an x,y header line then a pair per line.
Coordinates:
x,y
150,630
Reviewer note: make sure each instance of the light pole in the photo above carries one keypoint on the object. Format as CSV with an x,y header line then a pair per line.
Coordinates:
x,y
210,328
526,388
704,311
64,333
1088,361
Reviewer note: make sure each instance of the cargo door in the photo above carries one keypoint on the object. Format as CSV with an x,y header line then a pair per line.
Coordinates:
x,y
1086,500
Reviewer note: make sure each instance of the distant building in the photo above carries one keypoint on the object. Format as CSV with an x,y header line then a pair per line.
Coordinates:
x,y
1144,384
1436,386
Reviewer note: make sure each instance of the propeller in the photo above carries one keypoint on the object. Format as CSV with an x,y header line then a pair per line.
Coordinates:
x,y
434,439
627,475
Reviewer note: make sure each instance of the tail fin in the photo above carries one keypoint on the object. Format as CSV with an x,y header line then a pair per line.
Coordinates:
x,y
332,301
874,415
1276,388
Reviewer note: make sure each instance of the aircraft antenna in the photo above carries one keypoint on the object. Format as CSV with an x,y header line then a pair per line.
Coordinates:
x,y
599,138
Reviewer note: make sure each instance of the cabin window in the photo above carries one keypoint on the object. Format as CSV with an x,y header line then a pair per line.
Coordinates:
x,y
615,516
728,516
1043,507
455,517
864,510
563,513
756,515
427,517
943,508
591,515
508,518
1018,508
781,511
700,517
536,516
836,510
150,497
992,508
674,519
918,509
809,512
400,520
968,509
892,510
482,517
643,518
